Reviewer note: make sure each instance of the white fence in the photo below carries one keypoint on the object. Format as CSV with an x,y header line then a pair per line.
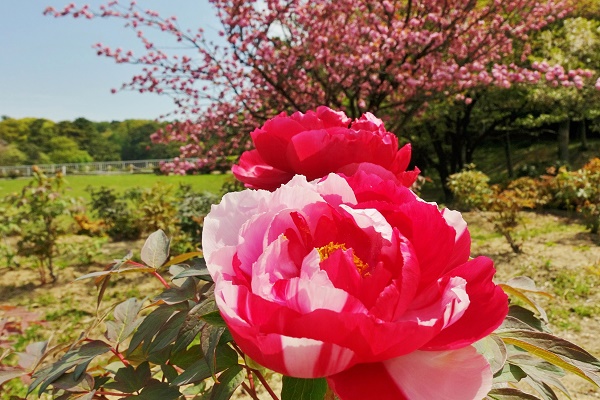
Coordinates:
x,y
100,167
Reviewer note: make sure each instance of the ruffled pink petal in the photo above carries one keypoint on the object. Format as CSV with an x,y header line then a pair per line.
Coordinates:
x,y
422,375
255,173
462,248
488,308
223,223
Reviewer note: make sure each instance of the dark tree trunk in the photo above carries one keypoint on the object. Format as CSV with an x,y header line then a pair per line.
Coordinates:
x,y
508,154
582,125
563,141
442,168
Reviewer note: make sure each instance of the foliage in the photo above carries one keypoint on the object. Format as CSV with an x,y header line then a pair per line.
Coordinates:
x,y
177,344
580,191
116,214
392,58
39,207
40,141
192,207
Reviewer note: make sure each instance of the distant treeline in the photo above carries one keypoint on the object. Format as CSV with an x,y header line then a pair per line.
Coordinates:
x,y
40,141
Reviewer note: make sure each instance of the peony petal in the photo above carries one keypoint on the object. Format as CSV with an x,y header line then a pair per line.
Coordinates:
x,y
422,375
255,173
223,223
462,248
489,306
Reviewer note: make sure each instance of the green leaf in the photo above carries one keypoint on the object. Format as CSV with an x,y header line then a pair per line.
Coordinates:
x,y
214,318
168,332
225,357
228,382
197,269
533,347
72,358
151,325
520,294
156,390
509,373
209,340
7,375
156,249
494,350
303,389
126,320
130,379
169,372
528,317
193,324
553,344
174,295
541,387
510,394
182,257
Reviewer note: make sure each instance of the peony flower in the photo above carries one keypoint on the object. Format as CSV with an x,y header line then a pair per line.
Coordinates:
x,y
317,143
356,280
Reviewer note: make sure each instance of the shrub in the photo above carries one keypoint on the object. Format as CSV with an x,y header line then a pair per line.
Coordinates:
x,y
470,189
122,221
38,209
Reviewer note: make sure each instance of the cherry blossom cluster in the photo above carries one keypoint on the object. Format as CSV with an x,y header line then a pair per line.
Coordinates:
x,y
390,57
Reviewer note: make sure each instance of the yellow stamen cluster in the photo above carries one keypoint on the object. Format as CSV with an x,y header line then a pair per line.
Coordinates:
x,y
328,249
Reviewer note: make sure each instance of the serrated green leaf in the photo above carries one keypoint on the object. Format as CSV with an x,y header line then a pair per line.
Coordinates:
x,y
129,379
225,357
303,389
510,394
126,321
156,249
228,382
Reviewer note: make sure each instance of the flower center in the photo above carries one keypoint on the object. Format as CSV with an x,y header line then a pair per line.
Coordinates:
x,y
328,249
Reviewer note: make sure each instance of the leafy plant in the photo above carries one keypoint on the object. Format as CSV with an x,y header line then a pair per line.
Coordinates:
x,y
120,219
176,344
39,207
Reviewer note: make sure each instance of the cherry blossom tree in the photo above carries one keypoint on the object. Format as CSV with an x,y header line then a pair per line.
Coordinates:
x,y
391,58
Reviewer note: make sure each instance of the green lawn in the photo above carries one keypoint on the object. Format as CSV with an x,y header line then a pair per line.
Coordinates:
x,y
76,184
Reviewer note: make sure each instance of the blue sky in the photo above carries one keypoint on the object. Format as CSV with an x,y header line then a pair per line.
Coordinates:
x,y
48,68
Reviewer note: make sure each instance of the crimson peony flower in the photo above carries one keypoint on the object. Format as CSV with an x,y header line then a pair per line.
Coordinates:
x,y
317,143
356,280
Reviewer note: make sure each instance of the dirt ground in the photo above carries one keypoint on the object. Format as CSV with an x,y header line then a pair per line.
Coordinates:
x,y
554,247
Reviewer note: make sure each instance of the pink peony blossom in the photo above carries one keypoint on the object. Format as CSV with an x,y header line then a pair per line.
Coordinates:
x,y
317,143
357,280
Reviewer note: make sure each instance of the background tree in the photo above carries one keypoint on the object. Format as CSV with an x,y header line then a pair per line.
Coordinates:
x,y
392,58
